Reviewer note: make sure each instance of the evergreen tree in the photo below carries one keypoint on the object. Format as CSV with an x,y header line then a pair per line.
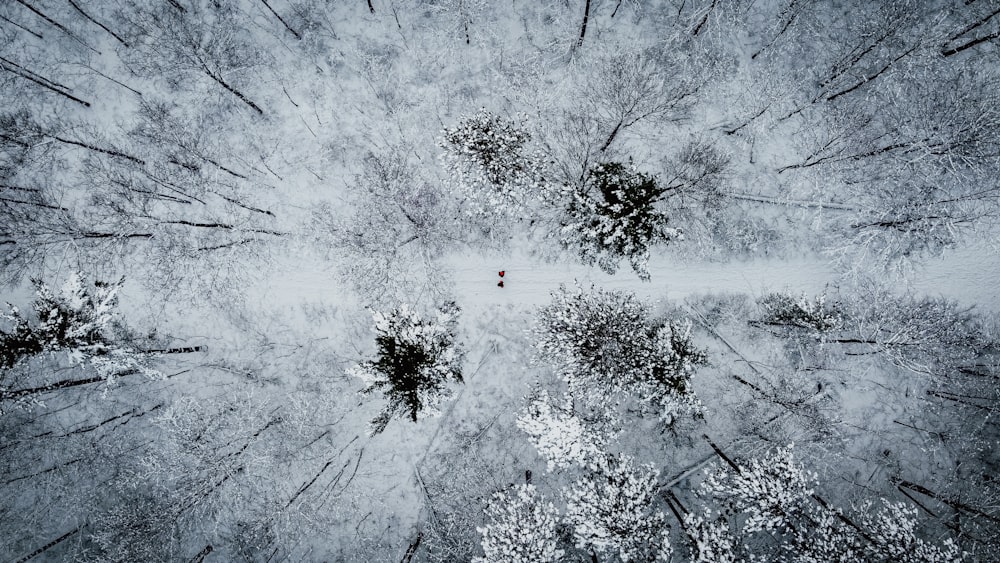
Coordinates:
x,y
80,321
417,357
606,343
488,157
613,216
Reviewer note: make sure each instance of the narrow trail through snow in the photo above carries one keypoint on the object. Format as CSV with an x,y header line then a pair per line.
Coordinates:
x,y
970,275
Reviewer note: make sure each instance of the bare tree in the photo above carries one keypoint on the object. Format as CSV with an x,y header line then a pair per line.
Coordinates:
x,y
203,41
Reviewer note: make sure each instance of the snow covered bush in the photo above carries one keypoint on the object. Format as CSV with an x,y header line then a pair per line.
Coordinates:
x,y
769,492
521,528
80,321
562,438
612,513
488,158
417,357
606,343
613,216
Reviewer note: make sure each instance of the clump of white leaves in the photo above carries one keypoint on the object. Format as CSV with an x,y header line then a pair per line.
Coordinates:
x,y
611,510
713,543
769,491
562,438
826,540
613,216
521,528
488,158
893,531
417,357
604,343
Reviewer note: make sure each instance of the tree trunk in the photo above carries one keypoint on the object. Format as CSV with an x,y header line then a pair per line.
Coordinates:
x,y
704,20
57,25
98,149
282,20
47,546
583,27
40,80
19,26
202,554
232,90
97,23
412,550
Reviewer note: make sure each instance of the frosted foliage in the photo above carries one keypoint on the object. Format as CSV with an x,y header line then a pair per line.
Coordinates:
x,y
827,540
613,216
486,155
768,491
801,311
713,543
893,530
559,436
80,321
521,528
604,342
611,510
417,357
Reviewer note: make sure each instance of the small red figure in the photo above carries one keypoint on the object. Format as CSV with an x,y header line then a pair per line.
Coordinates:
x,y
501,273
500,284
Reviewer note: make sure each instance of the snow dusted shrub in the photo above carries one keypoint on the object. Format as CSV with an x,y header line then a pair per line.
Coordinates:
x,y
562,438
613,216
605,343
815,314
611,510
521,528
80,321
488,158
769,492
417,357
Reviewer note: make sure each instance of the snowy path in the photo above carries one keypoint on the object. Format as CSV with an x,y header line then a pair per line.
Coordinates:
x,y
970,275
529,282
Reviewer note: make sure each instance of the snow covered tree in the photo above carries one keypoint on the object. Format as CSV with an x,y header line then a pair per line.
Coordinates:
x,y
815,315
521,528
613,216
488,157
561,437
79,321
770,492
417,357
606,343
611,510
892,530
774,496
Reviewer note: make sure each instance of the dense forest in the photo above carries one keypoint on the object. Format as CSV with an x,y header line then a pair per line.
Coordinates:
x,y
399,280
